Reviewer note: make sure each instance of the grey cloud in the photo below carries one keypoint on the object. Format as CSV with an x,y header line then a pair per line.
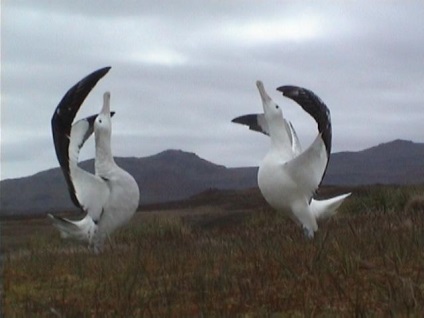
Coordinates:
x,y
182,70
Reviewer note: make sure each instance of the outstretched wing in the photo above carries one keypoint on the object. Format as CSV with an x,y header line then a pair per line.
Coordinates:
x,y
255,122
315,107
86,190
308,168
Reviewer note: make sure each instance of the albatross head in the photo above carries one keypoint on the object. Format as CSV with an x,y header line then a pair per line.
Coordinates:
x,y
103,122
271,109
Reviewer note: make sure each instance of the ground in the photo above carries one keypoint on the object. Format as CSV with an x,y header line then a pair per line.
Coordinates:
x,y
226,253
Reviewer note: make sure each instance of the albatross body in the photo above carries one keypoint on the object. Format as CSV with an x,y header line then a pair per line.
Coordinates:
x,y
109,197
289,177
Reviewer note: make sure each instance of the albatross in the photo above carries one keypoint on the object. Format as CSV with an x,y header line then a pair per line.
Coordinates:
x,y
288,177
110,197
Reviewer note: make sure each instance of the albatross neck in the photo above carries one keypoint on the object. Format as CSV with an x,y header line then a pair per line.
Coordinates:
x,y
104,159
280,139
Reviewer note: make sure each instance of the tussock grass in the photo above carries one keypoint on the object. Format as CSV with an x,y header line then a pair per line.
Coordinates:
x,y
368,260
415,203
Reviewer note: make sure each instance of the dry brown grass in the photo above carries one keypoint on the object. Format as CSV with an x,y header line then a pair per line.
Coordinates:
x,y
215,261
415,203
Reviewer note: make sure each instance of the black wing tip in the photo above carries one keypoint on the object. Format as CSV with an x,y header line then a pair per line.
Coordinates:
x,y
245,119
76,95
291,90
314,106
237,120
297,93
102,71
91,79
252,121
79,91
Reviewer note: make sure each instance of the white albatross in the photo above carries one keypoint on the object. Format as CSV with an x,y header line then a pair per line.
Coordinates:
x,y
288,178
109,197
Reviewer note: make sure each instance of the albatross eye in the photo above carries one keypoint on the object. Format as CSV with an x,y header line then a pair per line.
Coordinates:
x,y
276,107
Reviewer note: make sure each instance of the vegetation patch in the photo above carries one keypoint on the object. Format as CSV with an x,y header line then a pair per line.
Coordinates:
x,y
368,260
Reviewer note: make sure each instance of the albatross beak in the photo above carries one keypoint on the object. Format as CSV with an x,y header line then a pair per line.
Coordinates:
x,y
264,96
106,103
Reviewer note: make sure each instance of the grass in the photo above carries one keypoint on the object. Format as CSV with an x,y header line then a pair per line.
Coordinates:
x,y
367,261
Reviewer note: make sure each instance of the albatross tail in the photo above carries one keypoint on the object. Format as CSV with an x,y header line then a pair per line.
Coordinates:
x,y
82,230
323,209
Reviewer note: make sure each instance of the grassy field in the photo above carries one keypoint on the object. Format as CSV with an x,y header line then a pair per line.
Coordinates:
x,y
227,255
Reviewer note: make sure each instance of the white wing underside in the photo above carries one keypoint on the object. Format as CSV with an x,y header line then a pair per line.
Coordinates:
x,y
289,129
87,186
296,147
307,169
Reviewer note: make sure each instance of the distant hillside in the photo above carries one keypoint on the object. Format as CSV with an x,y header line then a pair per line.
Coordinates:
x,y
174,175
168,176
396,162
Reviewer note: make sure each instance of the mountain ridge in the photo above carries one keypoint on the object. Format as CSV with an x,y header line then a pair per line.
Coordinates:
x,y
173,175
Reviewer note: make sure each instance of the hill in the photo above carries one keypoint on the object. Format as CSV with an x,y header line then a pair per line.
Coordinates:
x,y
397,162
175,175
168,176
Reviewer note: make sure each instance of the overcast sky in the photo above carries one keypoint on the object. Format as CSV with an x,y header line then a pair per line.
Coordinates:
x,y
181,70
